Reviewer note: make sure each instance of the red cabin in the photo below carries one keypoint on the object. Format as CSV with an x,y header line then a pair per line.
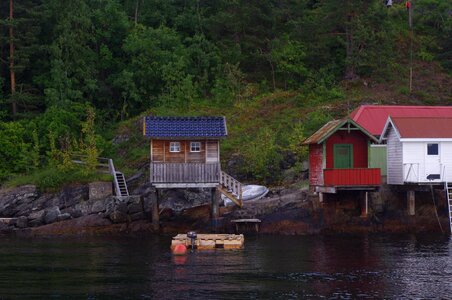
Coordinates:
x,y
339,158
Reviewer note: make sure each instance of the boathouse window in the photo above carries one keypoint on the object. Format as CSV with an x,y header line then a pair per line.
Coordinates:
x,y
174,147
195,146
432,149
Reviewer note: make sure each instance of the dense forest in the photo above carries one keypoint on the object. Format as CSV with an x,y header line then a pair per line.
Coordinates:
x,y
76,73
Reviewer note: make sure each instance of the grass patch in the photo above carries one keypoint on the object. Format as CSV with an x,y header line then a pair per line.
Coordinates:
x,y
52,179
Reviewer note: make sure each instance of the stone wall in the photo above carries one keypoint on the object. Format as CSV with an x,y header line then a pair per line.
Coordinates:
x,y
99,190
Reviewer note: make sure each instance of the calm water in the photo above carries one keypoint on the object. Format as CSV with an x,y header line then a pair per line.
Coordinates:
x,y
380,266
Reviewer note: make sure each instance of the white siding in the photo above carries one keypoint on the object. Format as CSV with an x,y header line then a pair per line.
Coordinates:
x,y
446,159
395,162
414,161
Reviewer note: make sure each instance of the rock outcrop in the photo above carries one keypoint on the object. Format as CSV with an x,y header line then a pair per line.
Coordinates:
x,y
31,209
25,211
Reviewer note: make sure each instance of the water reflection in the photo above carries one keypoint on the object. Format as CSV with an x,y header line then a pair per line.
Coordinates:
x,y
376,266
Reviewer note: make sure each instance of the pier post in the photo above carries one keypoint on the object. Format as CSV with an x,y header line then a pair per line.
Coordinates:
x,y
411,199
365,205
155,211
215,213
320,197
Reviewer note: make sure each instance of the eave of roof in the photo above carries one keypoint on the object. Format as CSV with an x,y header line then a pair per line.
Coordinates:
x,y
423,127
331,127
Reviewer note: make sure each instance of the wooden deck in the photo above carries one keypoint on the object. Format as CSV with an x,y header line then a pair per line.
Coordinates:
x,y
211,241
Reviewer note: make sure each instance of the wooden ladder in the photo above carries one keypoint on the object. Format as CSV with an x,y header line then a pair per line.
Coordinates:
x,y
448,188
231,188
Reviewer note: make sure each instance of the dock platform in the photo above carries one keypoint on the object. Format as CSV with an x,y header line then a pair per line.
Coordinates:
x,y
246,223
211,241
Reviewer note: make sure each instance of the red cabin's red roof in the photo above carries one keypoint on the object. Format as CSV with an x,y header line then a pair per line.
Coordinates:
x,y
373,117
419,128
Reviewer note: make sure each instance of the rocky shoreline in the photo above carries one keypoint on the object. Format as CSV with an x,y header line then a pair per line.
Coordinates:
x,y
24,211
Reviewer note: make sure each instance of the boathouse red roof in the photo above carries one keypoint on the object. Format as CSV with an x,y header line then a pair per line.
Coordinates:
x,y
419,127
373,117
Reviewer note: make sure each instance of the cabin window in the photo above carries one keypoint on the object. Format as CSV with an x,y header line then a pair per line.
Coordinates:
x,y
432,149
174,147
195,146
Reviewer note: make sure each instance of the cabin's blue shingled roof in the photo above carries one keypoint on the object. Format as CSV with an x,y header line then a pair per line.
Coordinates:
x,y
181,127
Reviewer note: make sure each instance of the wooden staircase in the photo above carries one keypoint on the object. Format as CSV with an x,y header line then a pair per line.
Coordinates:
x,y
231,188
448,188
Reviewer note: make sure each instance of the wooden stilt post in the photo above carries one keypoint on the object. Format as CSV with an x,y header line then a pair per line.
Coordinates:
x,y
155,211
365,205
215,194
411,203
320,197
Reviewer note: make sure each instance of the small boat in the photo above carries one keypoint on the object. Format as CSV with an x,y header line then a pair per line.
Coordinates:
x,y
249,192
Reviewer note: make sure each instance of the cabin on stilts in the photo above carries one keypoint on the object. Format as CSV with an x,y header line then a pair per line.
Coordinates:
x,y
373,119
339,160
408,173
419,153
185,153
419,150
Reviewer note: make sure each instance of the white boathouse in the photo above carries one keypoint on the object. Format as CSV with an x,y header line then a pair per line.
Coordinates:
x,y
419,150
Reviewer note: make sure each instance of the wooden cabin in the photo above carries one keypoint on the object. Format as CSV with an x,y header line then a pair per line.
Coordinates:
x,y
185,151
419,150
339,158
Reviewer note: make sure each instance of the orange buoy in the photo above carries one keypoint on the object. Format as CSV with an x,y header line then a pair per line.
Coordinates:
x,y
180,249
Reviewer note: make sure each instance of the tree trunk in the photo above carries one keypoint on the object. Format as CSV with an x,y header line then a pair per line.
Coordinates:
x,y
11,59
137,3
349,59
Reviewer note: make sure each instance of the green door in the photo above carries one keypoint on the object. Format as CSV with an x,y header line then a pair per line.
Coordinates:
x,y
377,158
343,156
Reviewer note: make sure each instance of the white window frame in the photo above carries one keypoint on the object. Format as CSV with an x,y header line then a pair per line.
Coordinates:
x,y
192,146
174,147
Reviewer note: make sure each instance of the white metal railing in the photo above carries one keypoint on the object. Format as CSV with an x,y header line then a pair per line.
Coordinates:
x,y
448,190
411,172
112,170
104,165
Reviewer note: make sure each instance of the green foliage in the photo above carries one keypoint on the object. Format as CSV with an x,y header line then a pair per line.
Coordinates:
x,y
316,120
89,146
295,142
35,150
266,65
50,179
261,154
289,56
14,150
229,85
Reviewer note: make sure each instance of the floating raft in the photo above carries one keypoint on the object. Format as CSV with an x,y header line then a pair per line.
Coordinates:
x,y
211,241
